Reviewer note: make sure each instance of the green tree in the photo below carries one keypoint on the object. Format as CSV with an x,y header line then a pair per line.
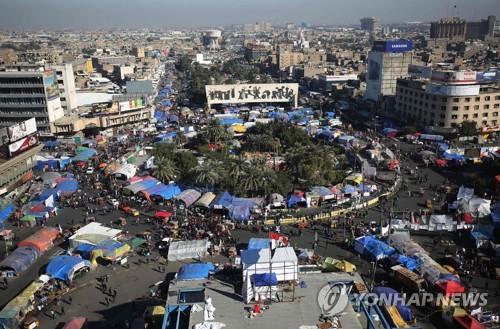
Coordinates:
x,y
166,170
206,174
468,128
185,162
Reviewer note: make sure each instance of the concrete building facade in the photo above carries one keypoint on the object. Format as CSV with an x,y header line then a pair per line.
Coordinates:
x,y
24,95
369,24
431,103
66,82
458,29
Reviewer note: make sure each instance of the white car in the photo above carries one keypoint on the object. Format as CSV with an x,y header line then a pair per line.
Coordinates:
x,y
90,170
113,202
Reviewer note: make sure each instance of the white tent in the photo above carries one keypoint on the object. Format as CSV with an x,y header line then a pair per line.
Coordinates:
x,y
187,249
125,171
282,261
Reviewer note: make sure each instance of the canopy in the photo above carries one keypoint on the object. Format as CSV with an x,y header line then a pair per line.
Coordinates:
x,y
259,243
84,250
411,263
373,247
20,259
163,214
195,271
41,240
63,267
221,201
188,197
294,199
126,171
166,192
265,279
205,200
28,218
145,184
450,287
67,187
187,249
239,213
84,155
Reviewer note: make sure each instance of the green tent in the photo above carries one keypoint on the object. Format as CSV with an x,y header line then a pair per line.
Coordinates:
x,y
28,218
135,242
329,264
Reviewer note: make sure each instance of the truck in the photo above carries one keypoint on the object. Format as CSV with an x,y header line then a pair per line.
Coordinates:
x,y
410,281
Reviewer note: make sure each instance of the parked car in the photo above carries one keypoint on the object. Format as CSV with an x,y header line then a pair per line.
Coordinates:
x,y
90,170
113,202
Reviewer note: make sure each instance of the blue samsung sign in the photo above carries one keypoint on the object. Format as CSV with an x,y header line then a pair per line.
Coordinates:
x,y
393,46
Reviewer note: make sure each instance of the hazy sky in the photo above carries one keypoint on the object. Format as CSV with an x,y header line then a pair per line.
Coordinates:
x,y
185,13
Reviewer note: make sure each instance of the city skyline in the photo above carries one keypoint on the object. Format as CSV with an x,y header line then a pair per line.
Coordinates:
x,y
59,14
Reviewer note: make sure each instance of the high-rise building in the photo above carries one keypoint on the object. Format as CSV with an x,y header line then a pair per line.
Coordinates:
x,y
25,95
369,24
447,99
138,52
66,82
387,61
458,29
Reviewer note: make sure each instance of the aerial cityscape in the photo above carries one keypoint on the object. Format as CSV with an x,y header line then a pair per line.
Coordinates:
x,y
264,164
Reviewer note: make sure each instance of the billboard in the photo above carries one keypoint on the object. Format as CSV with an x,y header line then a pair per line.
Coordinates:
x,y
50,84
21,130
492,75
132,104
252,93
393,46
22,145
454,76
452,90
104,107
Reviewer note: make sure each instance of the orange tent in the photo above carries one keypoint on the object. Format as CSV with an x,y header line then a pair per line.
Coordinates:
x,y
41,240
450,287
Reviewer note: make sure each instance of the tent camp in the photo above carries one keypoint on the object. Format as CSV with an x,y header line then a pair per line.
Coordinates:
x,y
141,185
385,294
7,209
41,240
19,260
179,250
64,267
195,271
125,171
222,201
372,247
93,233
188,197
260,243
162,191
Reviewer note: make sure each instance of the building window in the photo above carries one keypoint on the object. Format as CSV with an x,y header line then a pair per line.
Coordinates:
x,y
485,114
434,98
443,108
466,107
497,97
456,100
467,99
442,116
474,115
454,117
444,99
455,108
433,106
476,107
441,124
477,99
486,107
486,98
496,106
465,116
495,114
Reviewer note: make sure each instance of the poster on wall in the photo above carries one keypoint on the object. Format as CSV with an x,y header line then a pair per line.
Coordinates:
x,y
50,84
22,145
21,129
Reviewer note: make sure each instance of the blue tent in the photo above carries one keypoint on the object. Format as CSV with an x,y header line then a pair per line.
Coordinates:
x,y
51,144
258,243
195,271
64,266
84,155
387,293
264,279
84,250
222,200
411,263
46,194
376,249
349,189
295,199
239,213
68,186
5,213
20,259
173,118
142,185
230,121
321,190
166,192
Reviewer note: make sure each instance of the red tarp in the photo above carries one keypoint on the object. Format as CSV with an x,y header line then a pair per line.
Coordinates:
x,y
80,164
163,214
41,240
440,162
467,218
467,322
450,287
280,238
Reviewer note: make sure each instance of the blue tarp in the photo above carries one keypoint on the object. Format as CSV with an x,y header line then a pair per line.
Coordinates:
x,y
195,271
166,192
63,267
51,144
411,263
6,212
166,102
142,185
405,312
230,121
222,200
294,199
161,115
264,279
84,155
173,118
349,189
376,249
68,186
165,137
259,243
20,259
321,190
85,250
46,194
239,213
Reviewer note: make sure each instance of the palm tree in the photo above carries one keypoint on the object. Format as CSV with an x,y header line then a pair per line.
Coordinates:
x,y
165,170
237,169
206,174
